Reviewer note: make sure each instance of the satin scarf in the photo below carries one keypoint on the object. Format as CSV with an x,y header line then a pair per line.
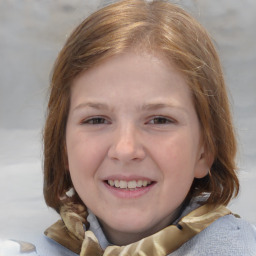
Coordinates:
x,y
70,232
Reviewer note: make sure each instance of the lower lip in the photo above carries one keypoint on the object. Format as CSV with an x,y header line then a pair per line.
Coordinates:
x,y
127,193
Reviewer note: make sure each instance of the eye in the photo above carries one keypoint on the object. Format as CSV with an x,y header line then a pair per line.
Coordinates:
x,y
161,120
95,120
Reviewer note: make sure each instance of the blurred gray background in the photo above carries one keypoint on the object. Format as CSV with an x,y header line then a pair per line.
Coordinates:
x,y
31,34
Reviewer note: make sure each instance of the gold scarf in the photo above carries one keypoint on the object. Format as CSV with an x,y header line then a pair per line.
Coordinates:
x,y
70,233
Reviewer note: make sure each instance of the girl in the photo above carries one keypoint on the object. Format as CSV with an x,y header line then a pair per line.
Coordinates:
x,y
139,145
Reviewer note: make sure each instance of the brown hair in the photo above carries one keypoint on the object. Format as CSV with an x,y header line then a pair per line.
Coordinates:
x,y
158,27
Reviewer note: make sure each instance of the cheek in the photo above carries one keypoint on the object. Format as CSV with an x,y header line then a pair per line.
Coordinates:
x,y
176,159
82,168
84,155
177,164
175,150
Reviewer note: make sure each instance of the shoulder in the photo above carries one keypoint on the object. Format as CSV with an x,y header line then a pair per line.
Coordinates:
x,y
46,246
50,247
229,236
40,245
232,235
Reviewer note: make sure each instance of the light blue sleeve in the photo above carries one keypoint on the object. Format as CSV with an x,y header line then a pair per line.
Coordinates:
x,y
15,248
40,246
227,236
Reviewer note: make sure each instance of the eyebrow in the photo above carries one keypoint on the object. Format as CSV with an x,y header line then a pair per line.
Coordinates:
x,y
156,106
92,105
144,107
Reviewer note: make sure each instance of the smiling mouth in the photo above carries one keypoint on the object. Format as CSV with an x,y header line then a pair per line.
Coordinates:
x,y
129,185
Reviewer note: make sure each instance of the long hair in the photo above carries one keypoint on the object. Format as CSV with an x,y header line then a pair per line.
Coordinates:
x,y
157,27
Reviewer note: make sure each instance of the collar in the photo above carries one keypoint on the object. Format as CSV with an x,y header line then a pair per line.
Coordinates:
x,y
70,232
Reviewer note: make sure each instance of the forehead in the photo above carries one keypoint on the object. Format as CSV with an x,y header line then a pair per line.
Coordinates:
x,y
131,78
132,62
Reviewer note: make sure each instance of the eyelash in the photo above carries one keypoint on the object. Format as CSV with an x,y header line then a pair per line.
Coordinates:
x,y
161,120
157,120
95,121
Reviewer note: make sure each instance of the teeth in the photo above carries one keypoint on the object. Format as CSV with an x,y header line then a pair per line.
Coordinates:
x,y
116,183
144,183
139,183
111,183
122,184
130,184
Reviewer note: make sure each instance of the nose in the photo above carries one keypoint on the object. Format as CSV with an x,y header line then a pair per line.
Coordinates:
x,y
126,145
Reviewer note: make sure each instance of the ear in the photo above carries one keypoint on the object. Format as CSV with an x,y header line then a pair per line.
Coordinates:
x,y
204,162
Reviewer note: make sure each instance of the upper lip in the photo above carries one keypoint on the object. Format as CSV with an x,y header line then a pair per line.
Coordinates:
x,y
127,178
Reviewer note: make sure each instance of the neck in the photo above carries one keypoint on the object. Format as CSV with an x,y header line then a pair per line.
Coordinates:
x,y
121,238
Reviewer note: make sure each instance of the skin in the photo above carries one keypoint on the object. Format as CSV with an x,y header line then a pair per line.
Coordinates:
x,y
132,117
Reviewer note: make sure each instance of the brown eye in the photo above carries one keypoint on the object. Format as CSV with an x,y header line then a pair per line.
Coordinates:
x,y
95,120
161,120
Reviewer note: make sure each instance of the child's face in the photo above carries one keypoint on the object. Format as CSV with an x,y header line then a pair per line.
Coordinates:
x,y
132,123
